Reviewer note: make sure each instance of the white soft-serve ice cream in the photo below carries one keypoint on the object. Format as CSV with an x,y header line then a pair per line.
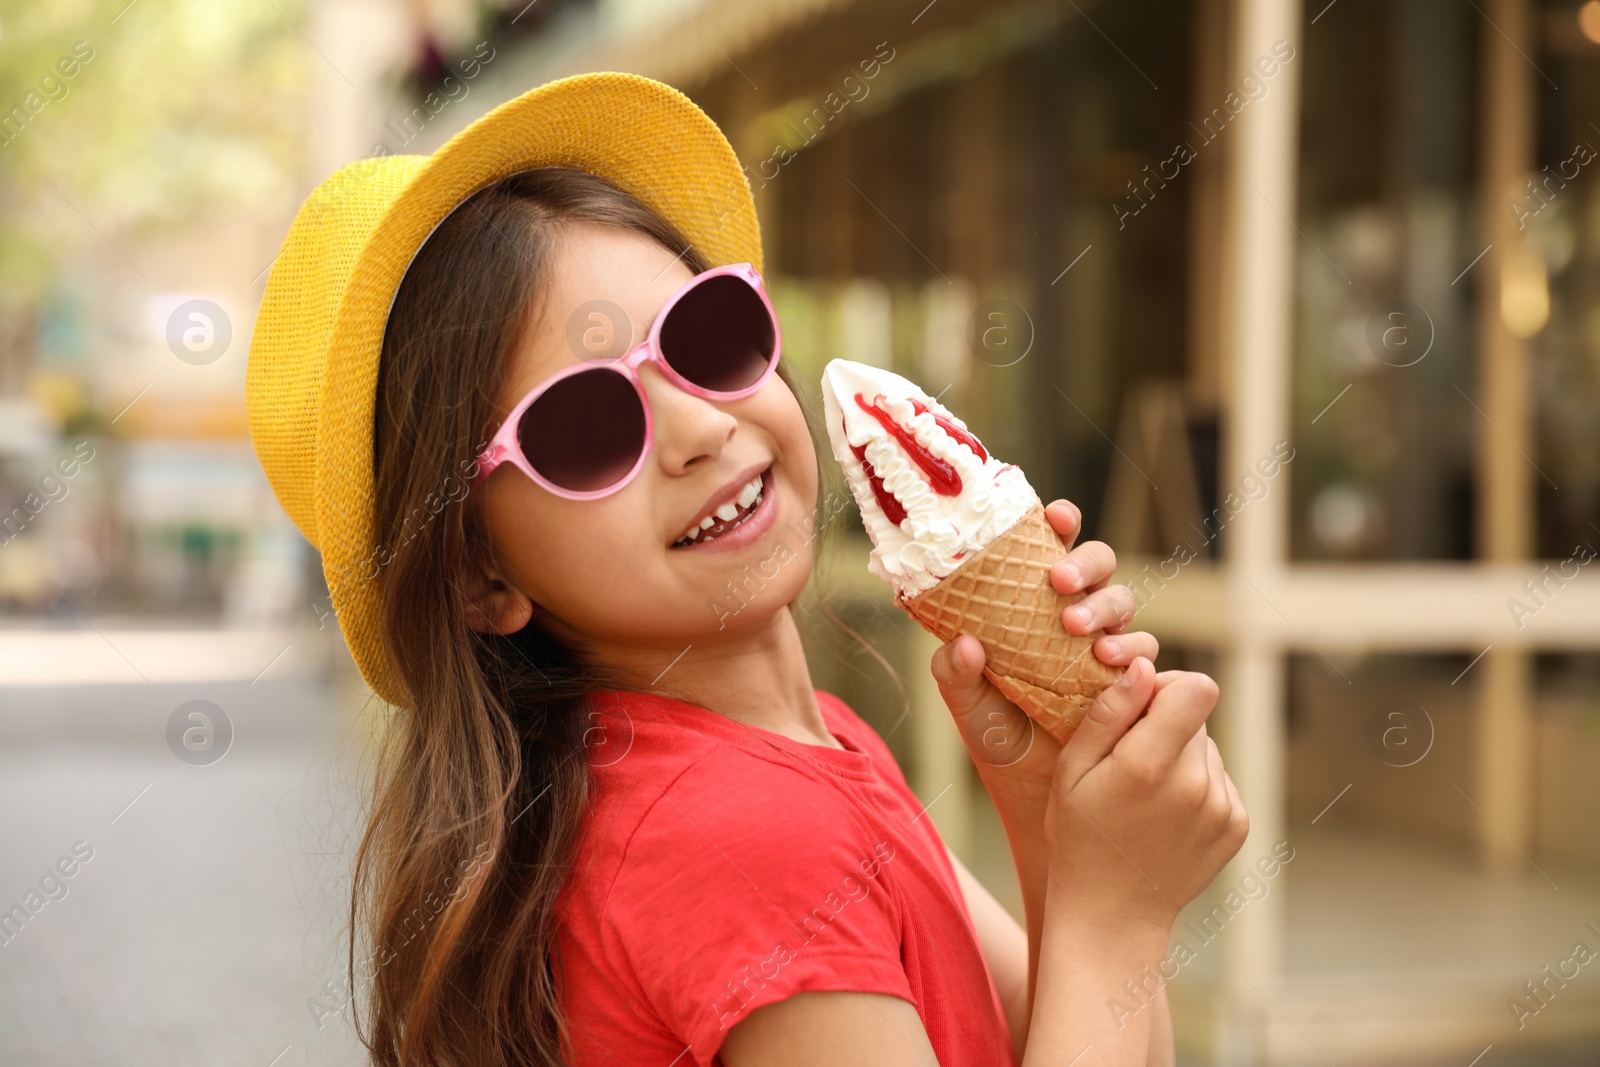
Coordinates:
x,y
929,493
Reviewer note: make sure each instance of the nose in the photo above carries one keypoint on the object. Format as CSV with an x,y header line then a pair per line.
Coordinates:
x,y
688,429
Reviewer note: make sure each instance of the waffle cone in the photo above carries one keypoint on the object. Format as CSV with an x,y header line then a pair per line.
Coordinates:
x,y
1002,596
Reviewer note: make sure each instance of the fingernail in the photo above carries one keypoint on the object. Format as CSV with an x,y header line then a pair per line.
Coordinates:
x,y
1126,681
1081,614
1070,571
1112,648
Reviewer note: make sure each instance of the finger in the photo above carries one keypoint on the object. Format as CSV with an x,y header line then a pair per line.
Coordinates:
x,y
1233,790
958,672
995,730
1238,817
1065,518
1195,749
1187,772
1213,763
1110,609
1166,678
1219,770
1194,765
1086,567
1177,711
1119,651
1214,760
1106,721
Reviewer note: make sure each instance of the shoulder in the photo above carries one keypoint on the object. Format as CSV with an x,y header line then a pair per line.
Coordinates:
x,y
737,871
771,811
741,833
746,881
693,805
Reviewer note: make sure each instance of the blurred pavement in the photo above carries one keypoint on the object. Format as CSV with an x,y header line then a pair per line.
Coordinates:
x,y
212,906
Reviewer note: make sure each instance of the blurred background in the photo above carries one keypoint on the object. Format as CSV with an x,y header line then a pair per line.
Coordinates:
x,y
1299,303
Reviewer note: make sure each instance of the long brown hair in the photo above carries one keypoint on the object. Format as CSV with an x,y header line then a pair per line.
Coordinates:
x,y
481,784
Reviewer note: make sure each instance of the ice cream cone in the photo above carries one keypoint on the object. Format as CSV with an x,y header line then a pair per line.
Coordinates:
x,y
963,539
1002,595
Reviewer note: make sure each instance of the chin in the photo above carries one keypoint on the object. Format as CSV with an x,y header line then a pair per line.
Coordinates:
x,y
761,583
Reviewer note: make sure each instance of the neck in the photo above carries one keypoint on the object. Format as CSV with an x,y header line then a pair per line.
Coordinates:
x,y
757,676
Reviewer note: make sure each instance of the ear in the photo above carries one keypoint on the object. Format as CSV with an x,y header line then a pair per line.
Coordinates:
x,y
491,604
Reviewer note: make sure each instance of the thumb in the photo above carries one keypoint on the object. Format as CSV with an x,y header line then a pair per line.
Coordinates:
x,y
1115,710
958,671
997,733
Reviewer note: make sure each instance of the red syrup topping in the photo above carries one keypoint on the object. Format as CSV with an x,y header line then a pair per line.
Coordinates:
x,y
941,475
892,508
952,429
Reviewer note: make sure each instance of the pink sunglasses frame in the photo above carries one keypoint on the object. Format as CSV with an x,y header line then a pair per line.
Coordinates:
x,y
503,447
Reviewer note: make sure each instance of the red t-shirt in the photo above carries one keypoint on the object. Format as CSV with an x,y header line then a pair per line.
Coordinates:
x,y
724,867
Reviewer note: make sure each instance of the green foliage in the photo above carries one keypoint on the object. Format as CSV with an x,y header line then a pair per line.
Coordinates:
x,y
182,108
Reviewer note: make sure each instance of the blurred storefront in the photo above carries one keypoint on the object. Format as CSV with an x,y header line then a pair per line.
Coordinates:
x,y
159,509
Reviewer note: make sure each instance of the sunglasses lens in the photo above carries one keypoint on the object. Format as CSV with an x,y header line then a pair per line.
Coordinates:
x,y
719,335
585,432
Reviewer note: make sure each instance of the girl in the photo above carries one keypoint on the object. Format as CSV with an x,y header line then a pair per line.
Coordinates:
x,y
717,859
614,822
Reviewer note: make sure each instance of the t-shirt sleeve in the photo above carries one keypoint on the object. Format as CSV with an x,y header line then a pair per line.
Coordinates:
x,y
749,881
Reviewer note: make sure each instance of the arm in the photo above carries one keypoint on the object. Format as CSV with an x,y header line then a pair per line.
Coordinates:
x,y
1007,951
1163,1053
1014,758
875,1030
1141,818
1141,772
1016,762
835,1029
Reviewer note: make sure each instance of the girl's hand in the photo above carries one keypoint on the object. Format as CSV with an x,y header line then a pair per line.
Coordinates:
x,y
1144,816
1086,569
1015,758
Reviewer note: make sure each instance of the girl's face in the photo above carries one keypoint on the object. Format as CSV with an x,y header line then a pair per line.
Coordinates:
x,y
613,572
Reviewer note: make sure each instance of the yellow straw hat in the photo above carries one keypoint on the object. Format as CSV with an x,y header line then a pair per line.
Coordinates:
x,y
311,381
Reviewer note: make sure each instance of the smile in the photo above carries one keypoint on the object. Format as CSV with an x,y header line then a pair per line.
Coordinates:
x,y
729,516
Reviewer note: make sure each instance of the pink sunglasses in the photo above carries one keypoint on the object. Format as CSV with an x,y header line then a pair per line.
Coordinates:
x,y
584,432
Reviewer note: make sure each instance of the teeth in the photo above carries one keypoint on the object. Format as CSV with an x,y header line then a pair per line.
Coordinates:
x,y
749,495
